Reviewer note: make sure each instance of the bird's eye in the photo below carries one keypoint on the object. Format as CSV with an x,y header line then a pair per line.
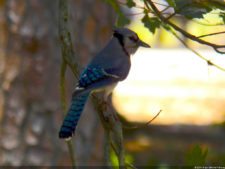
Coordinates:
x,y
133,38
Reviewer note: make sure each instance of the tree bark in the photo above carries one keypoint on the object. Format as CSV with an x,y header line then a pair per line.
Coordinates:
x,y
30,109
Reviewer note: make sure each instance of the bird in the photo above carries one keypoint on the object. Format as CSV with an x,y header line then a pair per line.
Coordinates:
x,y
110,66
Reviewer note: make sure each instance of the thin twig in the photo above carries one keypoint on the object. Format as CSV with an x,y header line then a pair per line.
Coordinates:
x,y
206,24
209,62
165,9
144,125
211,34
172,15
216,47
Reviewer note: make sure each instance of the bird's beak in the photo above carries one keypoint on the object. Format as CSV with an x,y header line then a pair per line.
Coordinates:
x,y
143,44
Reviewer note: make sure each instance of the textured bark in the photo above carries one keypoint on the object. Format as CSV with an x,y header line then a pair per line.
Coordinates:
x,y
30,109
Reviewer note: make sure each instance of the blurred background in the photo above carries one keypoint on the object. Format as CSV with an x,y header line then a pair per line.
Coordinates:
x,y
168,77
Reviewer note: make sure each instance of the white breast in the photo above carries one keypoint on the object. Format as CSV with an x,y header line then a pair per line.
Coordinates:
x,y
107,90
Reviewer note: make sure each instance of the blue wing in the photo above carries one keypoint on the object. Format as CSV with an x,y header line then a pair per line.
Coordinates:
x,y
94,78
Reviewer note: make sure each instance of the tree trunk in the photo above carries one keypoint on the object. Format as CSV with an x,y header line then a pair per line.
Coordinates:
x,y
30,57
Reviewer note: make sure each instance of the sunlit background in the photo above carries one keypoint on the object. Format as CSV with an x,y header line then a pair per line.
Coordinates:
x,y
167,77
173,79
187,91
176,81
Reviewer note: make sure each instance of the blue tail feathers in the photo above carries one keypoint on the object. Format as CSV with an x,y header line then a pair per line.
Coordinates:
x,y
71,119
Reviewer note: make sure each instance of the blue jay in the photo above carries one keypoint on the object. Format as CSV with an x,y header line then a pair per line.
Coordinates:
x,y
105,70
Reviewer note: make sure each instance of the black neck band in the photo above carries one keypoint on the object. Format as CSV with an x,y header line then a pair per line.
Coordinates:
x,y
119,37
121,41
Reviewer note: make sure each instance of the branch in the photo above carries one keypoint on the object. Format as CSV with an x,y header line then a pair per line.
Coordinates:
x,y
62,86
216,47
67,55
107,150
209,62
65,38
171,15
112,127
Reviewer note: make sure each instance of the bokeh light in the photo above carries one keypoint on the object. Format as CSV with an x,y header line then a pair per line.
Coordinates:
x,y
176,81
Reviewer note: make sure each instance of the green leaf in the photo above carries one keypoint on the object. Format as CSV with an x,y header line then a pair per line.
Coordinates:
x,y
122,20
171,3
151,23
130,3
196,156
146,11
182,3
222,15
195,11
216,4
192,8
196,8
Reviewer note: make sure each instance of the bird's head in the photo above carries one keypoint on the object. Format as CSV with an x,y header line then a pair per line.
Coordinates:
x,y
129,40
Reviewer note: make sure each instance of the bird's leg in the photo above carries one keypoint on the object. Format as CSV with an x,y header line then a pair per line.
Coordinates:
x,y
109,108
107,114
114,113
104,106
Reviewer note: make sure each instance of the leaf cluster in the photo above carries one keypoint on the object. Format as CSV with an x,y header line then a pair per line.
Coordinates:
x,y
190,9
196,156
197,8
